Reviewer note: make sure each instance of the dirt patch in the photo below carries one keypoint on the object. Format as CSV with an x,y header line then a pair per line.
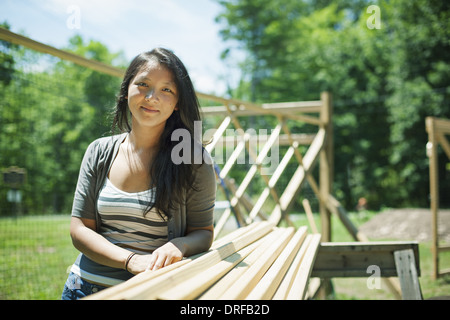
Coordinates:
x,y
407,224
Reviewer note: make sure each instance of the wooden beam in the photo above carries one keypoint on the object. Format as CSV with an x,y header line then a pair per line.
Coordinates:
x,y
218,134
241,288
326,165
267,286
240,110
335,207
442,125
300,284
430,125
291,110
298,178
196,285
254,168
283,140
408,274
444,144
216,291
118,72
65,55
143,288
352,259
309,215
272,182
286,284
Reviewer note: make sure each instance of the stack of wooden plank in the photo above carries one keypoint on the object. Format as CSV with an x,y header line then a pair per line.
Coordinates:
x,y
258,262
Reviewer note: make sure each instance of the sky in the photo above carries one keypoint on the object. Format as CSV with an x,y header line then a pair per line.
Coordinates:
x,y
187,27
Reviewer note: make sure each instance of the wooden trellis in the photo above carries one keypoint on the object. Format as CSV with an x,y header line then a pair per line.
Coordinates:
x,y
320,146
437,129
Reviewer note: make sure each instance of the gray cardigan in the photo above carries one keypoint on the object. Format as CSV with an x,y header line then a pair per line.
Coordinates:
x,y
197,211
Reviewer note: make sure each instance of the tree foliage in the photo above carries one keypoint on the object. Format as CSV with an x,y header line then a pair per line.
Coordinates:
x,y
384,83
50,110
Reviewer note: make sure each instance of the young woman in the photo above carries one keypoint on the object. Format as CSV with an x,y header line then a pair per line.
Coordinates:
x,y
134,209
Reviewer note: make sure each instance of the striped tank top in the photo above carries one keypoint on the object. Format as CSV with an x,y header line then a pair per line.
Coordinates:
x,y
124,224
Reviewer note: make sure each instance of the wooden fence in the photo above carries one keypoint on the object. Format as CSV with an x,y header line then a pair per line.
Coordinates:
x,y
437,129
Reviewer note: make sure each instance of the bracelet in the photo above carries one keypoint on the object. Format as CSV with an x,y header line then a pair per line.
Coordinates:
x,y
128,260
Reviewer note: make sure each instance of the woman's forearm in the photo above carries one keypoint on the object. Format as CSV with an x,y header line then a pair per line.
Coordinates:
x,y
195,241
95,246
100,250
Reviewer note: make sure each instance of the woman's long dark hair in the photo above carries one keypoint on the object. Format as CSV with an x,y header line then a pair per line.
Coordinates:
x,y
170,179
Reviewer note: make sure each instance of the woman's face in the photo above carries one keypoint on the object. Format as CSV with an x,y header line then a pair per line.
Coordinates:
x,y
152,96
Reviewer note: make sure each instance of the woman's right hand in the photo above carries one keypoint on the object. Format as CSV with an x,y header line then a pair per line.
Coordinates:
x,y
139,263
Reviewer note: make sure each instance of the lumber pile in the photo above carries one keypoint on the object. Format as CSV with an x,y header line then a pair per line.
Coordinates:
x,y
257,262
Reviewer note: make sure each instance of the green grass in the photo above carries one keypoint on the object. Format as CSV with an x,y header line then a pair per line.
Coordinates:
x,y
35,253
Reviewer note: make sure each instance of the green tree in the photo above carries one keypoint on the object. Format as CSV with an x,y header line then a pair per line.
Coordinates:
x,y
51,111
384,82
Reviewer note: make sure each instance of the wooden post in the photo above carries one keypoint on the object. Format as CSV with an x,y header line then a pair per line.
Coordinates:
x,y
326,165
325,179
434,191
408,275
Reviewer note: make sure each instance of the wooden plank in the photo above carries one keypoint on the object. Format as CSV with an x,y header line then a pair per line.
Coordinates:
x,y
313,288
283,140
309,215
444,144
65,55
259,203
151,288
444,248
273,180
113,293
222,220
241,288
335,207
300,284
297,179
232,235
234,156
284,107
434,190
444,272
282,165
312,182
408,275
297,106
241,108
352,259
218,134
235,108
286,284
254,157
269,283
194,286
326,166
236,211
442,125
216,291
245,201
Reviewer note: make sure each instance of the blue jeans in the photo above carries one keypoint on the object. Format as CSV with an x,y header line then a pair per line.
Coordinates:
x,y
77,288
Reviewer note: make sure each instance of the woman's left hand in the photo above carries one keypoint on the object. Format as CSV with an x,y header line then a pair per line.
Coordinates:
x,y
165,255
